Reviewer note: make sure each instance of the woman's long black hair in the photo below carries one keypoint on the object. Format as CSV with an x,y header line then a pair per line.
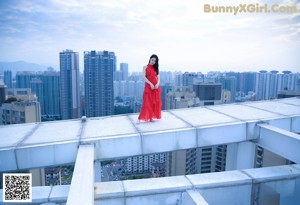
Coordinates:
x,y
156,65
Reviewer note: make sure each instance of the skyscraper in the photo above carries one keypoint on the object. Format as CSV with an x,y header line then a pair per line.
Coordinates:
x,y
51,106
124,70
69,85
229,84
98,80
2,94
8,78
23,79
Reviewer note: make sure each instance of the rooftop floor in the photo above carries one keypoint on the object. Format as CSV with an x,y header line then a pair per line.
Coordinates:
x,y
270,124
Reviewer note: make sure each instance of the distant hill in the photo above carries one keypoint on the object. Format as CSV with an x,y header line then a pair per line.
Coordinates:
x,y
21,66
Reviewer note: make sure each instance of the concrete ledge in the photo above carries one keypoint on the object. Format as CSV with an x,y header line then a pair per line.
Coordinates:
x,y
219,179
280,141
295,124
231,187
192,197
41,194
8,160
166,141
47,155
106,190
82,184
156,186
260,175
59,194
221,134
116,146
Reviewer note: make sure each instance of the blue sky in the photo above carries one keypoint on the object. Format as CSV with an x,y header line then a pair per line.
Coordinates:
x,y
179,32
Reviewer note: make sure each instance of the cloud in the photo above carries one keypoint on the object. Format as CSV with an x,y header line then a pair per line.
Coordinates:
x,y
180,32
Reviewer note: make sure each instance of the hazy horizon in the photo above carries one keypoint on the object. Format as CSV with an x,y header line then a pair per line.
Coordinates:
x,y
180,33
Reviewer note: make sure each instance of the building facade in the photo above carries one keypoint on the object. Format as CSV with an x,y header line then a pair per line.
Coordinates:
x,y
98,80
69,85
51,103
208,93
124,71
2,94
8,79
21,107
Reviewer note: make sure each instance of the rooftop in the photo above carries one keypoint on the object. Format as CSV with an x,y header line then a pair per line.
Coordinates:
x,y
271,124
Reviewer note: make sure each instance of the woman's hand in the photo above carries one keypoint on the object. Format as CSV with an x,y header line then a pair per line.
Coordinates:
x,y
156,86
152,86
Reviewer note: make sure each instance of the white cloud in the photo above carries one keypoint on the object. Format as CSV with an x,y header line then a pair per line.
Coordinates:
x,y
178,31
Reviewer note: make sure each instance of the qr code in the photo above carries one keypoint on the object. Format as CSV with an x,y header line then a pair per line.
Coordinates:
x,y
17,187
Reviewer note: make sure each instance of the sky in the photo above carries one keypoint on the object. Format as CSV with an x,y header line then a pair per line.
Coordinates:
x,y
184,37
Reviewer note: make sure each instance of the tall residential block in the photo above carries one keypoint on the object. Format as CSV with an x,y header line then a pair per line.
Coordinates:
x,y
98,80
8,78
2,94
124,70
45,85
229,84
51,105
69,85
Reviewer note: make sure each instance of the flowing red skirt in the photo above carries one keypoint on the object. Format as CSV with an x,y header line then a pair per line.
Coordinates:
x,y
151,106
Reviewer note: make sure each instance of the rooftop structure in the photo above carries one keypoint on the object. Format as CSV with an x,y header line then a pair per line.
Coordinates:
x,y
272,125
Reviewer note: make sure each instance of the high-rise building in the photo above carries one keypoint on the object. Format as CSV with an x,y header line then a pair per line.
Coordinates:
x,y
131,88
124,70
69,85
139,90
2,94
287,80
229,84
208,93
98,80
46,87
116,89
153,163
165,89
165,77
51,102
272,85
23,79
178,78
118,75
247,82
8,79
197,160
123,88
37,87
188,78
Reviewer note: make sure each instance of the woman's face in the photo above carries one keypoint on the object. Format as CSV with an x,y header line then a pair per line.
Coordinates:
x,y
152,61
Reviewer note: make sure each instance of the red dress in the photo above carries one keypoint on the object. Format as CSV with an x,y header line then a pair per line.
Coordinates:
x,y
151,107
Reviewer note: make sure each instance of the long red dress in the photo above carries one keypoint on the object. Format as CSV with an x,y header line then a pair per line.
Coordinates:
x,y
151,107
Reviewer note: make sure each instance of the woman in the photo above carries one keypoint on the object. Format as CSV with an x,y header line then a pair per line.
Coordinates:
x,y
151,107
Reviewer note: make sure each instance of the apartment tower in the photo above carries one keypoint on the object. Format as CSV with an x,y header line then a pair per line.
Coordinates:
x,y
69,85
98,80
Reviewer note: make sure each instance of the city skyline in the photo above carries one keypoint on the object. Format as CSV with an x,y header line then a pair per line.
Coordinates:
x,y
181,34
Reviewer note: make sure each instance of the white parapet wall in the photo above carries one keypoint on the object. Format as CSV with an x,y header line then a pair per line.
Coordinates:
x,y
281,183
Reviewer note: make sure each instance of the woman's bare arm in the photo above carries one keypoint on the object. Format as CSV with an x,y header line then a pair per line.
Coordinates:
x,y
158,81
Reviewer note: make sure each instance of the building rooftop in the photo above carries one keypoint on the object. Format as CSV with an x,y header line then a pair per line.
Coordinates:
x,y
270,124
